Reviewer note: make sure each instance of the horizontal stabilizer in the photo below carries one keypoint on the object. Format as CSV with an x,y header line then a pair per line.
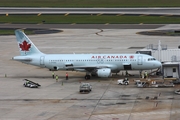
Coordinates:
x,y
21,58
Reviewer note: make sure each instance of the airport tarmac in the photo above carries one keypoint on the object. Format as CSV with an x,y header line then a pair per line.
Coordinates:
x,y
62,101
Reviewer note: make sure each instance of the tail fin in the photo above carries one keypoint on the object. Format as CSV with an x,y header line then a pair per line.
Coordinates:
x,y
25,45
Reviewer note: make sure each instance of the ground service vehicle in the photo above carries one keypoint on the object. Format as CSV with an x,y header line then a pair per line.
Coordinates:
x,y
136,81
153,84
177,91
30,84
176,81
142,84
124,81
85,87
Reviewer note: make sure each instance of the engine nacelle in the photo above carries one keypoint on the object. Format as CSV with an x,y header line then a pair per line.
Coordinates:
x,y
104,72
54,69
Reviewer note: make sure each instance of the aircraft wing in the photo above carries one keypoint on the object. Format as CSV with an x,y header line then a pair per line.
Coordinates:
x,y
90,68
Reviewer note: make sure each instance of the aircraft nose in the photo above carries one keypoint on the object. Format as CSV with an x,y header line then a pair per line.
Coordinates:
x,y
158,64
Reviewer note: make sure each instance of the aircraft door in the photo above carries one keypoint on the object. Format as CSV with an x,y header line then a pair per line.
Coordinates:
x,y
140,60
42,60
174,72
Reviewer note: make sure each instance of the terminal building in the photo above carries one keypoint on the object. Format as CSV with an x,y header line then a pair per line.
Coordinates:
x,y
170,59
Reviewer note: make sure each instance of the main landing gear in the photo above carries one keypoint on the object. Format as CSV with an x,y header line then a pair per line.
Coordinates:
x,y
140,73
87,77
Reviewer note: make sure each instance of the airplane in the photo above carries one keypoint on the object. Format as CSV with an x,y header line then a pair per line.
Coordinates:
x,y
101,65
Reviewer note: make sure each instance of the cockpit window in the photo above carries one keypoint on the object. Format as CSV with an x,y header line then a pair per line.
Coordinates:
x,y
151,59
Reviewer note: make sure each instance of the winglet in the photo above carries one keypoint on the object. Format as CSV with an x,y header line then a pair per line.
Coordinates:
x,y
25,45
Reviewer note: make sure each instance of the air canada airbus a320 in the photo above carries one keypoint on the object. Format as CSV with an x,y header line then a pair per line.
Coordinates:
x,y
101,65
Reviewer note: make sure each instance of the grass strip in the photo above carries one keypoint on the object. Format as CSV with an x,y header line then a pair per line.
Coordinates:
x,y
90,3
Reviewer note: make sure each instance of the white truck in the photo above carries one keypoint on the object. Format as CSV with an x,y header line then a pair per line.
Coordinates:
x,y
124,81
85,87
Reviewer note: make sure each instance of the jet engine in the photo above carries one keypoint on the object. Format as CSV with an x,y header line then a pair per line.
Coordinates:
x,y
104,72
54,69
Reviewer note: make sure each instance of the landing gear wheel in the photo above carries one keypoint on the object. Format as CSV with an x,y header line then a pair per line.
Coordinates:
x,y
87,77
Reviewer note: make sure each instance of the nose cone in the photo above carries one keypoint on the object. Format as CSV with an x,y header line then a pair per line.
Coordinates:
x,y
158,64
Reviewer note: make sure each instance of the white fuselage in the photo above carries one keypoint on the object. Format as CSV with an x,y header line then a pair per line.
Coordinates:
x,y
77,62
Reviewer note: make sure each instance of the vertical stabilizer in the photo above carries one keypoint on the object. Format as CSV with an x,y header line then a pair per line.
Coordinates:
x,y
25,45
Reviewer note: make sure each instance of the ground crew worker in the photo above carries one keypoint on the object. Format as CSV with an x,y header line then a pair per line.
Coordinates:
x,y
53,74
127,73
66,76
57,78
145,75
142,75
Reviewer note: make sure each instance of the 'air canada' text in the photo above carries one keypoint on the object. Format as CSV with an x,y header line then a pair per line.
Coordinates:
x,y
112,57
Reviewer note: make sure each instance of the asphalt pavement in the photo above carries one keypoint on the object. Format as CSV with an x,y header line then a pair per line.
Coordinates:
x,y
61,100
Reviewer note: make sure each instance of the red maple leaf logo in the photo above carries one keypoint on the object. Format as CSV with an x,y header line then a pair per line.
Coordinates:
x,y
131,56
24,46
